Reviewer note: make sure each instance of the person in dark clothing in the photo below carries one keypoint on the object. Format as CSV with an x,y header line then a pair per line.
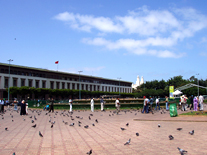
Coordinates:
x,y
2,105
191,101
23,108
51,106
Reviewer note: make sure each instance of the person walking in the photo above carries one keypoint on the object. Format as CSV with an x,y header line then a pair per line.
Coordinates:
x,y
182,103
166,102
157,104
201,102
195,103
51,106
117,105
2,105
71,104
26,109
23,108
102,104
146,101
151,102
92,105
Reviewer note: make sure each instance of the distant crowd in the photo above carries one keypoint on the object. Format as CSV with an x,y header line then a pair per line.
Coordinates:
x,y
196,103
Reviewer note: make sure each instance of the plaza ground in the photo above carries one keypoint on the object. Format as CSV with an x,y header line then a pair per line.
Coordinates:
x,y
105,137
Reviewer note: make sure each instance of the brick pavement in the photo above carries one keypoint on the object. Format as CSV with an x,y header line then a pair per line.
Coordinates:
x,y
105,137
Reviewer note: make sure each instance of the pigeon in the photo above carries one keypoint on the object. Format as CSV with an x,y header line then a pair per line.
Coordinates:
x,y
79,125
30,117
123,129
52,126
182,152
93,124
79,122
90,152
32,121
23,119
109,115
2,117
6,129
72,124
191,132
127,124
89,117
91,114
34,126
40,134
159,125
127,143
96,121
179,129
171,137
86,126
137,134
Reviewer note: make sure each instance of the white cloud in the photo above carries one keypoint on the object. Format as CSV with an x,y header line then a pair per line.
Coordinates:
x,y
203,40
88,22
65,16
154,29
203,54
134,46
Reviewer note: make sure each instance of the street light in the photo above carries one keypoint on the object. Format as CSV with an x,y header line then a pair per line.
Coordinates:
x,y
79,85
9,77
198,85
119,84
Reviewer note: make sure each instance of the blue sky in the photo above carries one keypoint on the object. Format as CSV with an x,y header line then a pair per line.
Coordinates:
x,y
154,39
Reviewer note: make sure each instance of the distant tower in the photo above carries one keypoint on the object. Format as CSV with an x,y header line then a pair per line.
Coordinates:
x,y
142,81
138,82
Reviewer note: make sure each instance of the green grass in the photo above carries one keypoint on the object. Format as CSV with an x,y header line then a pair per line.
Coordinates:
x,y
195,113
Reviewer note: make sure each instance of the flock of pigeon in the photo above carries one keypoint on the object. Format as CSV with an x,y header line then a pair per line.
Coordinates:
x,y
70,115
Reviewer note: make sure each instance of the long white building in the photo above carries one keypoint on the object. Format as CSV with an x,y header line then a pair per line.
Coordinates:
x,y
43,78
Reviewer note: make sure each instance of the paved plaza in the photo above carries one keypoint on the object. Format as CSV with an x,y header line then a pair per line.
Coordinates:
x,y
106,137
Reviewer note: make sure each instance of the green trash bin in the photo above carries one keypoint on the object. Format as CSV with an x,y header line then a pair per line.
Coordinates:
x,y
173,110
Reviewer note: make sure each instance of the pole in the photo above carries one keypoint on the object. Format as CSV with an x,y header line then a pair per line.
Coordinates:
x,y
9,78
119,85
79,85
198,85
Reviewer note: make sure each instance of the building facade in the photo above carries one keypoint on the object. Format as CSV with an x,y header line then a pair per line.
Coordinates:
x,y
43,78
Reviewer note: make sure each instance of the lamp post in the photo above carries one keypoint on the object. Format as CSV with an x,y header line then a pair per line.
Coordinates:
x,y
79,85
119,84
198,85
9,77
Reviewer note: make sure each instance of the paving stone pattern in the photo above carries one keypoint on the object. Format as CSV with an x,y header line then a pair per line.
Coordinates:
x,y
105,137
